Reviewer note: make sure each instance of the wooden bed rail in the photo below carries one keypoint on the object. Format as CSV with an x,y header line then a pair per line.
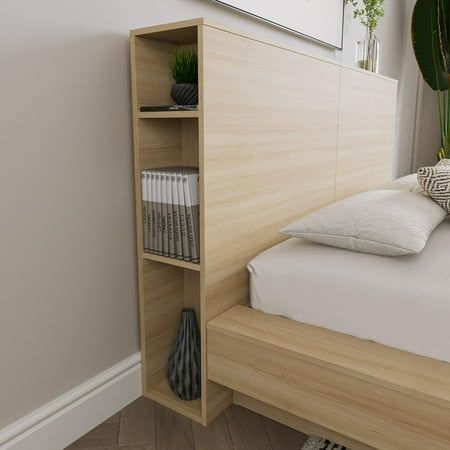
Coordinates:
x,y
363,393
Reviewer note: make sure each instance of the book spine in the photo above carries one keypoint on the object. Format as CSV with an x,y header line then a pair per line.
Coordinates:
x,y
182,213
195,192
158,214
188,180
176,217
153,202
149,210
170,214
165,236
144,210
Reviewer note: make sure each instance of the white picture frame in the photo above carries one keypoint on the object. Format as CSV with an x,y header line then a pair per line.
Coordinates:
x,y
319,20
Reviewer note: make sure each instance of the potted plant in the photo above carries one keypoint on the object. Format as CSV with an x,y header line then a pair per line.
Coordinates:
x,y
368,49
184,69
430,39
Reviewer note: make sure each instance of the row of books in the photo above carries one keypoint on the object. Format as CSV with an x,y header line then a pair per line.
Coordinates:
x,y
170,205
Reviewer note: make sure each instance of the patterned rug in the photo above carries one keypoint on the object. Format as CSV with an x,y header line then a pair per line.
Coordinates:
x,y
317,443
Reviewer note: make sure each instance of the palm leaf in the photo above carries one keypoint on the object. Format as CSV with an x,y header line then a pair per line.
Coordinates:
x,y
442,15
430,41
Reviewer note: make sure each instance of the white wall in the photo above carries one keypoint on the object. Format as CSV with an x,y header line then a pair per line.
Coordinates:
x,y
68,278
407,113
427,135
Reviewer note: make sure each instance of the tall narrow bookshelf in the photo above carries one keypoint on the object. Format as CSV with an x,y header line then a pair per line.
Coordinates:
x,y
167,138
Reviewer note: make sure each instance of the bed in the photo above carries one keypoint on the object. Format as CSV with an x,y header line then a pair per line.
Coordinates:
x,y
276,148
402,302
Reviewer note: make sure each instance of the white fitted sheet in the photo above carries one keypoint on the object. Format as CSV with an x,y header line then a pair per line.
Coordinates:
x,y
402,301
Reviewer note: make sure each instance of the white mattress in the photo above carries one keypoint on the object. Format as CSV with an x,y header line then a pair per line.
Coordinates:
x,y
401,301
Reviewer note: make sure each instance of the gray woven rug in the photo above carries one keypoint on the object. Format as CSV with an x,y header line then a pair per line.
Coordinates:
x,y
317,443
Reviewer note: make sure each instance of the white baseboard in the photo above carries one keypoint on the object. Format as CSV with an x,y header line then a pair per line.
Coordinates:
x,y
62,421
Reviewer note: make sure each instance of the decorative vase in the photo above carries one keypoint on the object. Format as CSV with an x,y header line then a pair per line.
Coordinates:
x,y
184,93
368,53
183,372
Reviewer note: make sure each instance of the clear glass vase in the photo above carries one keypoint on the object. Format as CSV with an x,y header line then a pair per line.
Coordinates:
x,y
368,53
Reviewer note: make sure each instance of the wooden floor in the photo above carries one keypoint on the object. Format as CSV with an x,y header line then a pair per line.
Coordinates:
x,y
145,425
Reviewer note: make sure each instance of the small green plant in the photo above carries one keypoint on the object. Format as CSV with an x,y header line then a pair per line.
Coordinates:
x,y
369,13
184,65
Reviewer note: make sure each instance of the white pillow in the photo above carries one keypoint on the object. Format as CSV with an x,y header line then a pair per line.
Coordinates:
x,y
407,183
382,222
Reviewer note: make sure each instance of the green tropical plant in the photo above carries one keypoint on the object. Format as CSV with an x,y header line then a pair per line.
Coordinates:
x,y
184,65
369,13
430,39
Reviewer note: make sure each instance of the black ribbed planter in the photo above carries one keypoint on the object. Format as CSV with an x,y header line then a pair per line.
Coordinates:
x,y
183,372
185,93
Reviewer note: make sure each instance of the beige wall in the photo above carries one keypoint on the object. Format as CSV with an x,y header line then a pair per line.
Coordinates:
x,y
68,291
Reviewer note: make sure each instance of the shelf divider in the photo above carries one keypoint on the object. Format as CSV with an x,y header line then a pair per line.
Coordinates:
x,y
172,261
168,114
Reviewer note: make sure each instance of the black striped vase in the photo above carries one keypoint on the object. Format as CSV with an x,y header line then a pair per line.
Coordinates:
x,y
184,93
183,372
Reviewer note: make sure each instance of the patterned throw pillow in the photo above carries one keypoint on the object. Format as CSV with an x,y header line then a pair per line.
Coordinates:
x,y
435,181
317,443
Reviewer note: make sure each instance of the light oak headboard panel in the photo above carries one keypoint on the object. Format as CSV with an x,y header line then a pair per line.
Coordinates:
x,y
366,131
284,134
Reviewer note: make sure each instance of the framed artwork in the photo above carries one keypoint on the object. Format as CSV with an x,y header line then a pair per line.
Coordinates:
x,y
320,20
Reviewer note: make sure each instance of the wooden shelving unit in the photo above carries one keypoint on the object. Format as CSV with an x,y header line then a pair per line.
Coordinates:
x,y
167,138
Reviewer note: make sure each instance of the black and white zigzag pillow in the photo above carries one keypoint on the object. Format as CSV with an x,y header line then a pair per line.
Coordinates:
x,y
435,181
317,443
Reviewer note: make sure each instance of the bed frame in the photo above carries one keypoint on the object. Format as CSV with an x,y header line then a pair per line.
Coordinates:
x,y
286,134
358,393
277,134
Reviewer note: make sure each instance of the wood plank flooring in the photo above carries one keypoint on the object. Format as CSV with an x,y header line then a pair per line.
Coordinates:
x,y
145,425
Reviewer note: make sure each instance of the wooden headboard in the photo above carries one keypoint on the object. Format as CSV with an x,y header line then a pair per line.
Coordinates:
x,y
283,134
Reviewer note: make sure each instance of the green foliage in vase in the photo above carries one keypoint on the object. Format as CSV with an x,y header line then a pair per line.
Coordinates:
x,y
369,13
184,66
430,39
